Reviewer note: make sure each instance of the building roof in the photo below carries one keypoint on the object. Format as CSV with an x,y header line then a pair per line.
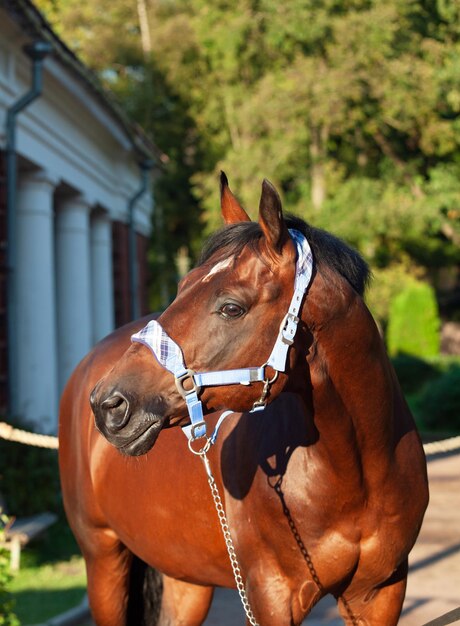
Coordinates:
x,y
34,23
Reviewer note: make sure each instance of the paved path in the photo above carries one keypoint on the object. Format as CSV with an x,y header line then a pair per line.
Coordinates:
x,y
434,579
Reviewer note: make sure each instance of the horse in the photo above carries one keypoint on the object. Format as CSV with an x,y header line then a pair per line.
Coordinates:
x,y
324,489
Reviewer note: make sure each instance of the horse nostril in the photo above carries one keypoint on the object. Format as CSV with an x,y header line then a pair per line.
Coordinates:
x,y
114,402
116,410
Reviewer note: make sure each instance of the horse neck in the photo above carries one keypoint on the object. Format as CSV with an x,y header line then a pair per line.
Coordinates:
x,y
354,397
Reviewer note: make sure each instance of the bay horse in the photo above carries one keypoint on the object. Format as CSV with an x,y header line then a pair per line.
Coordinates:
x,y
324,490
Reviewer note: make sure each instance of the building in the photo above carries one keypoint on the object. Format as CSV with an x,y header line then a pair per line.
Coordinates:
x,y
75,216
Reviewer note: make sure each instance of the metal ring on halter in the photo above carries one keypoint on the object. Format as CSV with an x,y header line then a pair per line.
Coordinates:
x,y
203,450
261,403
179,380
271,380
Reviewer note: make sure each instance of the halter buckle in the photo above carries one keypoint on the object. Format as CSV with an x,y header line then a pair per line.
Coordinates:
x,y
195,428
179,380
288,325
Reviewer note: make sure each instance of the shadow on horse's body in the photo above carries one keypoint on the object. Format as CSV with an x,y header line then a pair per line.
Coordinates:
x,y
324,491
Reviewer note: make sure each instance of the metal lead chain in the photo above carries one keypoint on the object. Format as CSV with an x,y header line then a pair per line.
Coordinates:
x,y
228,541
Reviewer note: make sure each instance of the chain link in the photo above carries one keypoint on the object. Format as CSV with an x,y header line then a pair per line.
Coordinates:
x,y
306,555
296,534
229,542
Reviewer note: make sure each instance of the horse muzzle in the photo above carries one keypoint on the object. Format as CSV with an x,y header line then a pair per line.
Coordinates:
x,y
128,424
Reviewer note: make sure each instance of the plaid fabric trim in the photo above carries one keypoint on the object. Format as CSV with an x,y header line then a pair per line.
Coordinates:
x,y
166,351
304,266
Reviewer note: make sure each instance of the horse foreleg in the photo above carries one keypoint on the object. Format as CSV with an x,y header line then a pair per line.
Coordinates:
x,y
275,601
377,607
108,564
184,604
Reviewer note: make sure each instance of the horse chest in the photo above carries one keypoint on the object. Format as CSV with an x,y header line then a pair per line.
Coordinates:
x,y
302,532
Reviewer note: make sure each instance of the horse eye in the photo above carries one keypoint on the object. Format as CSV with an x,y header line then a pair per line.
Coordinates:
x,y
230,310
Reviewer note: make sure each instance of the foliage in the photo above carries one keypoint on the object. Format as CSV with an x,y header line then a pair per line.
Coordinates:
x,y
431,389
352,107
413,324
7,615
154,103
440,401
387,283
29,479
413,373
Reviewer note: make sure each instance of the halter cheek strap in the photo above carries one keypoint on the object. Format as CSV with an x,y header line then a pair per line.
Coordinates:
x,y
304,268
189,383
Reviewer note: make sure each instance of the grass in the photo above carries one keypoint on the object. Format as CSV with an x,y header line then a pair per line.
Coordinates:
x,y
52,577
44,592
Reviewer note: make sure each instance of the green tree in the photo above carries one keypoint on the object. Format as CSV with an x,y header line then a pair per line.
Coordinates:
x,y
350,106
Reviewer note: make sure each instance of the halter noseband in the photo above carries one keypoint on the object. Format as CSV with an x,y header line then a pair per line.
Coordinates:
x,y
169,354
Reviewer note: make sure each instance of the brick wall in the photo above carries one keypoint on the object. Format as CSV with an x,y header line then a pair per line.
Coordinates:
x,y
120,244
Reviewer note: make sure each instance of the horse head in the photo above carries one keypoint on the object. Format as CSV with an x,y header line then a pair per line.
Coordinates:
x,y
226,317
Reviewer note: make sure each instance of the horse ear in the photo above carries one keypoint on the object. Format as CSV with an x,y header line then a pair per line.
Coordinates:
x,y
271,218
232,211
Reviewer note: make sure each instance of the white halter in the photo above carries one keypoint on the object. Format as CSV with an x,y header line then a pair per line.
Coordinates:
x,y
169,355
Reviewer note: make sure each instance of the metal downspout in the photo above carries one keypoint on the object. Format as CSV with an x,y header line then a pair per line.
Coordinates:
x,y
36,51
145,167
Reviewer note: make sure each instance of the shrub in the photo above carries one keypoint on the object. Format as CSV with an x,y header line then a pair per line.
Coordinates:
x,y
413,324
413,372
7,615
439,402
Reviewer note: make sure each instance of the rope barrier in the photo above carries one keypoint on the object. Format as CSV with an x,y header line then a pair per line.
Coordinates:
x,y
444,445
29,439
9,433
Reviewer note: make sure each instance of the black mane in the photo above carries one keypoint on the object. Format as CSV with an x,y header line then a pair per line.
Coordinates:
x,y
328,250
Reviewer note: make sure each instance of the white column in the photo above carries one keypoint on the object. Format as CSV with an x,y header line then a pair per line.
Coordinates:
x,y
102,276
35,292
72,284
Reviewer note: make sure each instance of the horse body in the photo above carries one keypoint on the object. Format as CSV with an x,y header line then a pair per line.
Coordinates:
x,y
324,490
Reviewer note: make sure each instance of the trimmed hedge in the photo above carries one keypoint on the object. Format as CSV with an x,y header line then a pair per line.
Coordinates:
x,y
413,323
